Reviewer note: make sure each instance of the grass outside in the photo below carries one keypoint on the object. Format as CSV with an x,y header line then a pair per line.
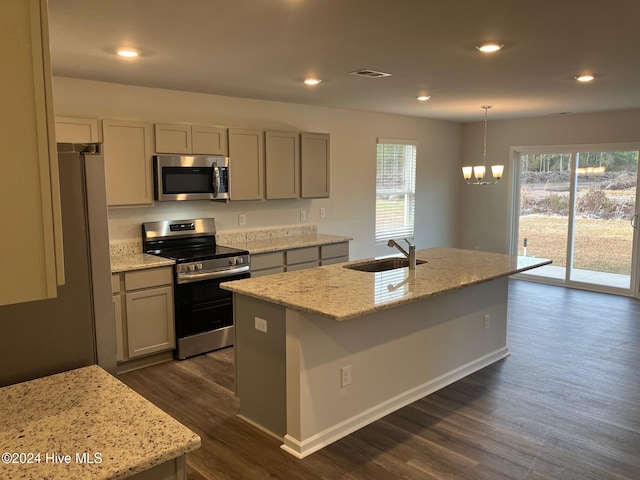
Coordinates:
x,y
600,245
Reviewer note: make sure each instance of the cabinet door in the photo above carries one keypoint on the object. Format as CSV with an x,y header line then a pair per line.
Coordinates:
x,y
127,158
209,140
314,165
29,188
150,325
172,138
77,130
246,164
282,165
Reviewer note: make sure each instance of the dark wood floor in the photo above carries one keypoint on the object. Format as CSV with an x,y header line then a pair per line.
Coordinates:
x,y
564,405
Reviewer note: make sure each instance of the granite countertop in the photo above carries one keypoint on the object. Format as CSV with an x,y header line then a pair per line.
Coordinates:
x,y
86,410
340,293
137,261
278,243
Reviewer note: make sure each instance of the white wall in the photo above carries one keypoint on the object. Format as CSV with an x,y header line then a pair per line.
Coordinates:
x,y
351,208
484,211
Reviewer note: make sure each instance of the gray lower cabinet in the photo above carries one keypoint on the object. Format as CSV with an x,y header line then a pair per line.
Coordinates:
x,y
143,303
334,253
298,258
267,263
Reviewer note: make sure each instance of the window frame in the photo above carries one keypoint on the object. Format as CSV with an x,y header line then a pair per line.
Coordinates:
x,y
404,228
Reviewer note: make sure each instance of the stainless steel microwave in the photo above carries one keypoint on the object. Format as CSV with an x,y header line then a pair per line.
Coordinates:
x,y
191,177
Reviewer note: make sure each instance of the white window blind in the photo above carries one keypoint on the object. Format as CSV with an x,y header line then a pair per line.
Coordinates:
x,y
395,189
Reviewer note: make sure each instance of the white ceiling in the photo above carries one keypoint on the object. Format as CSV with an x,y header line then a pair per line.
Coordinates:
x,y
264,48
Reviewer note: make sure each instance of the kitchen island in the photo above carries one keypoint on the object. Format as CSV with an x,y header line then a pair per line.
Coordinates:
x,y
325,351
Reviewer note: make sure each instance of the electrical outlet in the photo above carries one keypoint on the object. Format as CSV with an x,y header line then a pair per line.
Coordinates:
x,y
323,212
303,215
261,324
242,219
345,376
487,318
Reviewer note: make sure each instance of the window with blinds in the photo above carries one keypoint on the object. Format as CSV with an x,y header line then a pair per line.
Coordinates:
x,y
395,189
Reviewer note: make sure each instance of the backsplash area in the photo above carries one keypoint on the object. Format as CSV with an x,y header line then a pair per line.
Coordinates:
x,y
226,237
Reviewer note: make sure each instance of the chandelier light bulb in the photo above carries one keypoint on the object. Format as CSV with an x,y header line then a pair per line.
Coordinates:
x,y
479,171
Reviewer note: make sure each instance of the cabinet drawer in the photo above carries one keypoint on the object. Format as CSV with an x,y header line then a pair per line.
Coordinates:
x,y
115,283
301,266
148,278
302,255
331,261
262,261
334,250
266,271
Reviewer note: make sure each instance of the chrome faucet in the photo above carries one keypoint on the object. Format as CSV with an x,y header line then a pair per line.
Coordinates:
x,y
411,254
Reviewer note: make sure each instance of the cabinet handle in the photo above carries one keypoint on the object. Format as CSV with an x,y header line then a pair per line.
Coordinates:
x,y
634,221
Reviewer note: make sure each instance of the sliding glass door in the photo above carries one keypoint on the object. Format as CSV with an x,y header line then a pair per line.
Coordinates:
x,y
577,206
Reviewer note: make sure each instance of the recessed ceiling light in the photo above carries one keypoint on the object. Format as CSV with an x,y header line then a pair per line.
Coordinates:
x,y
424,98
128,52
584,78
365,72
312,81
489,47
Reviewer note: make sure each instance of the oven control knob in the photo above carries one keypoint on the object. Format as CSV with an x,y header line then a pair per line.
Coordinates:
x,y
240,260
198,266
191,267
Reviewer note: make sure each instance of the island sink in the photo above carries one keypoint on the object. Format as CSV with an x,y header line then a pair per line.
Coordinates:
x,y
382,265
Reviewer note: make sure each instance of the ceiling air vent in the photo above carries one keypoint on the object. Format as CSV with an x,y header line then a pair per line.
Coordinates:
x,y
365,72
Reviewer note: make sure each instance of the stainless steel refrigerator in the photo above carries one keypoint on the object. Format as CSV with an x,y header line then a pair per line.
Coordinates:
x,y
77,328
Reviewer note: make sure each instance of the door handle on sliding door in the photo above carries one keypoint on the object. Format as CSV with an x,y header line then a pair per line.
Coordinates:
x,y
634,221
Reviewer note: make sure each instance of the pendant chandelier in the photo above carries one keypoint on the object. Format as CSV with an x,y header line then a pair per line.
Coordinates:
x,y
479,171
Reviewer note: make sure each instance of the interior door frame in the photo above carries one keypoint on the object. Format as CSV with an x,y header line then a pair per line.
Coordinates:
x,y
514,213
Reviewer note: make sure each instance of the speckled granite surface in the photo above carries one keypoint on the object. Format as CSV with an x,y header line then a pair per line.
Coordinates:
x,y
126,256
125,248
138,261
86,411
276,244
340,293
243,236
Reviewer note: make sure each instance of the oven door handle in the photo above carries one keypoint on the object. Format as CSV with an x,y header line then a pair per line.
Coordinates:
x,y
199,276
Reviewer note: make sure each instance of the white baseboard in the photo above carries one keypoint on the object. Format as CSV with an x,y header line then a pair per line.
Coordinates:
x,y
301,449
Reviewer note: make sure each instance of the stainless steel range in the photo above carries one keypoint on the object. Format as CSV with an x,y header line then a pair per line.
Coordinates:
x,y
203,311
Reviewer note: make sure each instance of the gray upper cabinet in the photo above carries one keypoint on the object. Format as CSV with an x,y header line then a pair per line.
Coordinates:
x,y
172,138
190,139
127,158
246,164
77,130
209,140
282,165
29,187
314,165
